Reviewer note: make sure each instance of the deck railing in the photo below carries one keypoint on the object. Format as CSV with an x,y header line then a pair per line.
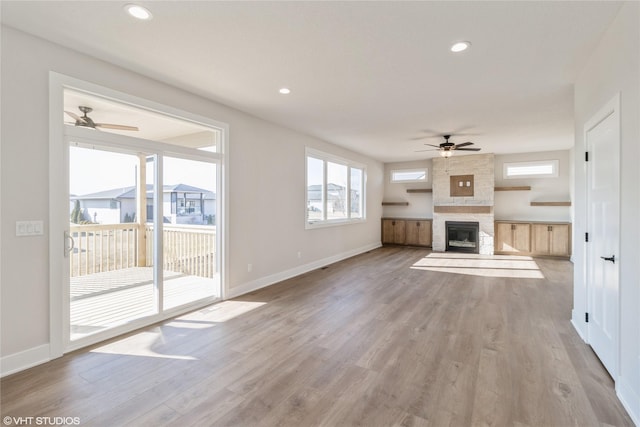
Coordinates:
x,y
188,249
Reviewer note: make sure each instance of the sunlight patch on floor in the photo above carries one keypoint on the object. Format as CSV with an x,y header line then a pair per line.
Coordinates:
x,y
481,265
143,344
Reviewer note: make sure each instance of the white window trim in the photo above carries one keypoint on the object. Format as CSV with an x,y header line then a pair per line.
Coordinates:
x,y
327,157
400,181
554,174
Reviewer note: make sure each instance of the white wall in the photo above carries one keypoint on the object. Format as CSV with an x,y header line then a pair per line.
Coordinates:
x,y
614,67
420,204
510,205
515,205
266,194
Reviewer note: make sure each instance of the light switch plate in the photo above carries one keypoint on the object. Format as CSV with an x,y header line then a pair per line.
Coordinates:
x,y
29,228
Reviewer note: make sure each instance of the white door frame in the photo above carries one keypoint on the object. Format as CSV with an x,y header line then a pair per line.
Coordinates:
x,y
59,188
610,108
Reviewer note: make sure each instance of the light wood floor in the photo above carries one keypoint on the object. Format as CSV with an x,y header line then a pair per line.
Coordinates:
x,y
381,339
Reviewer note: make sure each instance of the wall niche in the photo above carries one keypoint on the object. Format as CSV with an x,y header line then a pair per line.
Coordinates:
x,y
461,186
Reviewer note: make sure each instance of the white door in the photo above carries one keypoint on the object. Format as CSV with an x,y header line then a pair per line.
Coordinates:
x,y
602,135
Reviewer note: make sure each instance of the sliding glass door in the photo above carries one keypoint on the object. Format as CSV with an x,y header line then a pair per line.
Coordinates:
x,y
143,241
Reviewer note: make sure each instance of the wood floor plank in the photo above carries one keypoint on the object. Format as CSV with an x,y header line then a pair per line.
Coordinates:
x,y
393,337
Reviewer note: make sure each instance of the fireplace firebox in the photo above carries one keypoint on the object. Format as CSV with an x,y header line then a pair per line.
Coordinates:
x,y
462,236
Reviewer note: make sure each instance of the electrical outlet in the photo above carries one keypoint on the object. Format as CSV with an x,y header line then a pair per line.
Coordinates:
x,y
249,268
299,254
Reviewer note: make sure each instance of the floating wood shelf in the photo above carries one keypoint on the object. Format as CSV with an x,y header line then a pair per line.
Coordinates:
x,y
521,188
419,190
395,203
550,203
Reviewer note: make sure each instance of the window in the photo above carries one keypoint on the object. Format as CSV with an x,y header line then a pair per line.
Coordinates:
x,y
539,169
335,190
409,175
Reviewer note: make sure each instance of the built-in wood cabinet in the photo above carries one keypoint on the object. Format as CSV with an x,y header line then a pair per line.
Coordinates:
x,y
406,231
533,238
393,231
512,237
418,232
551,239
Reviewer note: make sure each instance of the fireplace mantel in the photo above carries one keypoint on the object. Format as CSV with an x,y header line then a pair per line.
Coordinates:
x,y
464,209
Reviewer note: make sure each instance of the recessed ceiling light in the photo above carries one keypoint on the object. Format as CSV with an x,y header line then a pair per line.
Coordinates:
x,y
460,46
138,12
285,91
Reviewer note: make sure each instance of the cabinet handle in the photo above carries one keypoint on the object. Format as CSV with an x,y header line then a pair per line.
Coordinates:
x,y
513,226
611,258
550,228
417,224
393,223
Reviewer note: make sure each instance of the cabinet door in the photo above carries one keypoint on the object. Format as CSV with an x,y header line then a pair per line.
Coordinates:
x,y
540,239
418,233
399,233
425,233
512,237
387,230
521,237
504,237
559,240
412,229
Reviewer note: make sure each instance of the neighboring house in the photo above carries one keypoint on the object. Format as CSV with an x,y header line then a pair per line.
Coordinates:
x,y
182,204
335,198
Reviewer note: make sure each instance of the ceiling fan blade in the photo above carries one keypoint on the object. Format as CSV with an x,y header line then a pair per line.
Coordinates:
x,y
74,116
430,149
116,127
467,149
431,145
464,144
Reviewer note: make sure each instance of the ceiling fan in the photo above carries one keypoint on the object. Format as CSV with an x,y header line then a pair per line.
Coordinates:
x,y
447,148
86,121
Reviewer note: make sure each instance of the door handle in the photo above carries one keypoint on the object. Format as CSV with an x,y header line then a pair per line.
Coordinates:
x,y
612,258
68,247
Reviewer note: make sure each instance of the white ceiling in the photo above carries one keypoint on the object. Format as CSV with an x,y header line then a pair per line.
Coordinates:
x,y
370,76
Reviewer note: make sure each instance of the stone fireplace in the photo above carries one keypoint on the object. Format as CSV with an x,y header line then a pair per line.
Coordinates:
x,y
473,177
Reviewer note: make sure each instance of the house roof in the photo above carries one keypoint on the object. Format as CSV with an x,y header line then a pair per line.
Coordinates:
x,y
130,192
314,192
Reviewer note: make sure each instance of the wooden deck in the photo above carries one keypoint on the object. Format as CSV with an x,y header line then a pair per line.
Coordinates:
x,y
103,300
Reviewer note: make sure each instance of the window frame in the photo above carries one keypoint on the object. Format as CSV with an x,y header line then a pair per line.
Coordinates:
x,y
350,165
555,166
402,181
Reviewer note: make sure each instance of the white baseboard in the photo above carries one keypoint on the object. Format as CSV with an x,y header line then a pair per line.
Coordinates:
x,y
17,362
263,282
630,399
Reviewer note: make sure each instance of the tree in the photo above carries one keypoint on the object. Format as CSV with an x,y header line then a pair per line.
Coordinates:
x,y
76,213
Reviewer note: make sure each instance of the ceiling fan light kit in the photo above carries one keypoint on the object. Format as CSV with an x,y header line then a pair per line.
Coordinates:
x,y
447,148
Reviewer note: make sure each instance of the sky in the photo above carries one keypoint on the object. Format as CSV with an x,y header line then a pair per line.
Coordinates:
x,y
92,170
